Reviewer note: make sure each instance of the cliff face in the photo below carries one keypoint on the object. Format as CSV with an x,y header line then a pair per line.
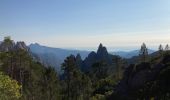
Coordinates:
x,y
6,46
21,45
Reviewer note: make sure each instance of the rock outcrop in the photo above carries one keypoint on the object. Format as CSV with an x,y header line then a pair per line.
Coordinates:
x,y
6,46
101,55
21,46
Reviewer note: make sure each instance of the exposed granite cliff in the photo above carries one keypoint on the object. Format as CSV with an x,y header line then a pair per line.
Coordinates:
x,y
10,45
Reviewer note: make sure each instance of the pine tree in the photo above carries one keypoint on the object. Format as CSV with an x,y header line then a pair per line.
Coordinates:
x,y
160,49
99,70
50,84
167,48
143,52
70,74
77,84
7,40
119,63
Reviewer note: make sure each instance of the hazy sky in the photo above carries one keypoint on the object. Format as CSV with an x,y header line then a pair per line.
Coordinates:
x,y
83,24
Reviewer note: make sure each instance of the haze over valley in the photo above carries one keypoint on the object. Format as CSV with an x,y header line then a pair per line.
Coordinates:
x,y
84,49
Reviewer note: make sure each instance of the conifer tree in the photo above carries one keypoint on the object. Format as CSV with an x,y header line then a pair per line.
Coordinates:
x,y
77,84
167,47
50,84
160,49
143,52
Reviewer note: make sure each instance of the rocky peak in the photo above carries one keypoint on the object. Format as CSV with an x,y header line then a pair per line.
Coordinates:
x,y
100,45
102,51
7,45
101,55
21,46
34,44
10,45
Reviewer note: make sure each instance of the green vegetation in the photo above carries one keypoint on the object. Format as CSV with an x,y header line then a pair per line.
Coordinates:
x,y
37,82
77,86
22,77
9,88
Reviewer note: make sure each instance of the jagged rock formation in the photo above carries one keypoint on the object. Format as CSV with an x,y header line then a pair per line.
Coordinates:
x,y
101,55
6,46
55,56
21,45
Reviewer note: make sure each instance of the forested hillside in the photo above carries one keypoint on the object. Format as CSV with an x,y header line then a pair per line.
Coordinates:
x,y
100,76
37,82
53,56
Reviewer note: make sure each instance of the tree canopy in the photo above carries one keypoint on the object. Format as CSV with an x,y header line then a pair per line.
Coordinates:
x,y
9,88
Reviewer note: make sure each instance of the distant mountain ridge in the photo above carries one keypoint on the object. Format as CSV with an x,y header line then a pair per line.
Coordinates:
x,y
54,56
130,54
37,48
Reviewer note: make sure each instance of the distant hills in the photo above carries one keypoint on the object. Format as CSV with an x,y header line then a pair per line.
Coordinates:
x,y
55,56
130,54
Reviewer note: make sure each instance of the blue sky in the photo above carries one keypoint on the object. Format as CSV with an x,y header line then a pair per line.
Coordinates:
x,y
83,24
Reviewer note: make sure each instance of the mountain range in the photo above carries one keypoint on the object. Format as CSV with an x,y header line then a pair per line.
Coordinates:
x,y
55,56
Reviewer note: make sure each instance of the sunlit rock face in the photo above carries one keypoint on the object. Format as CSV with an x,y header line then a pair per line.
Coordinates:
x,y
21,46
11,46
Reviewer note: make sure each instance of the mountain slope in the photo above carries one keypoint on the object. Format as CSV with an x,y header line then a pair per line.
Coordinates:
x,y
53,56
145,80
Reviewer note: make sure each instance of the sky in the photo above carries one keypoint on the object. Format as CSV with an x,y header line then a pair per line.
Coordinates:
x,y
83,24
